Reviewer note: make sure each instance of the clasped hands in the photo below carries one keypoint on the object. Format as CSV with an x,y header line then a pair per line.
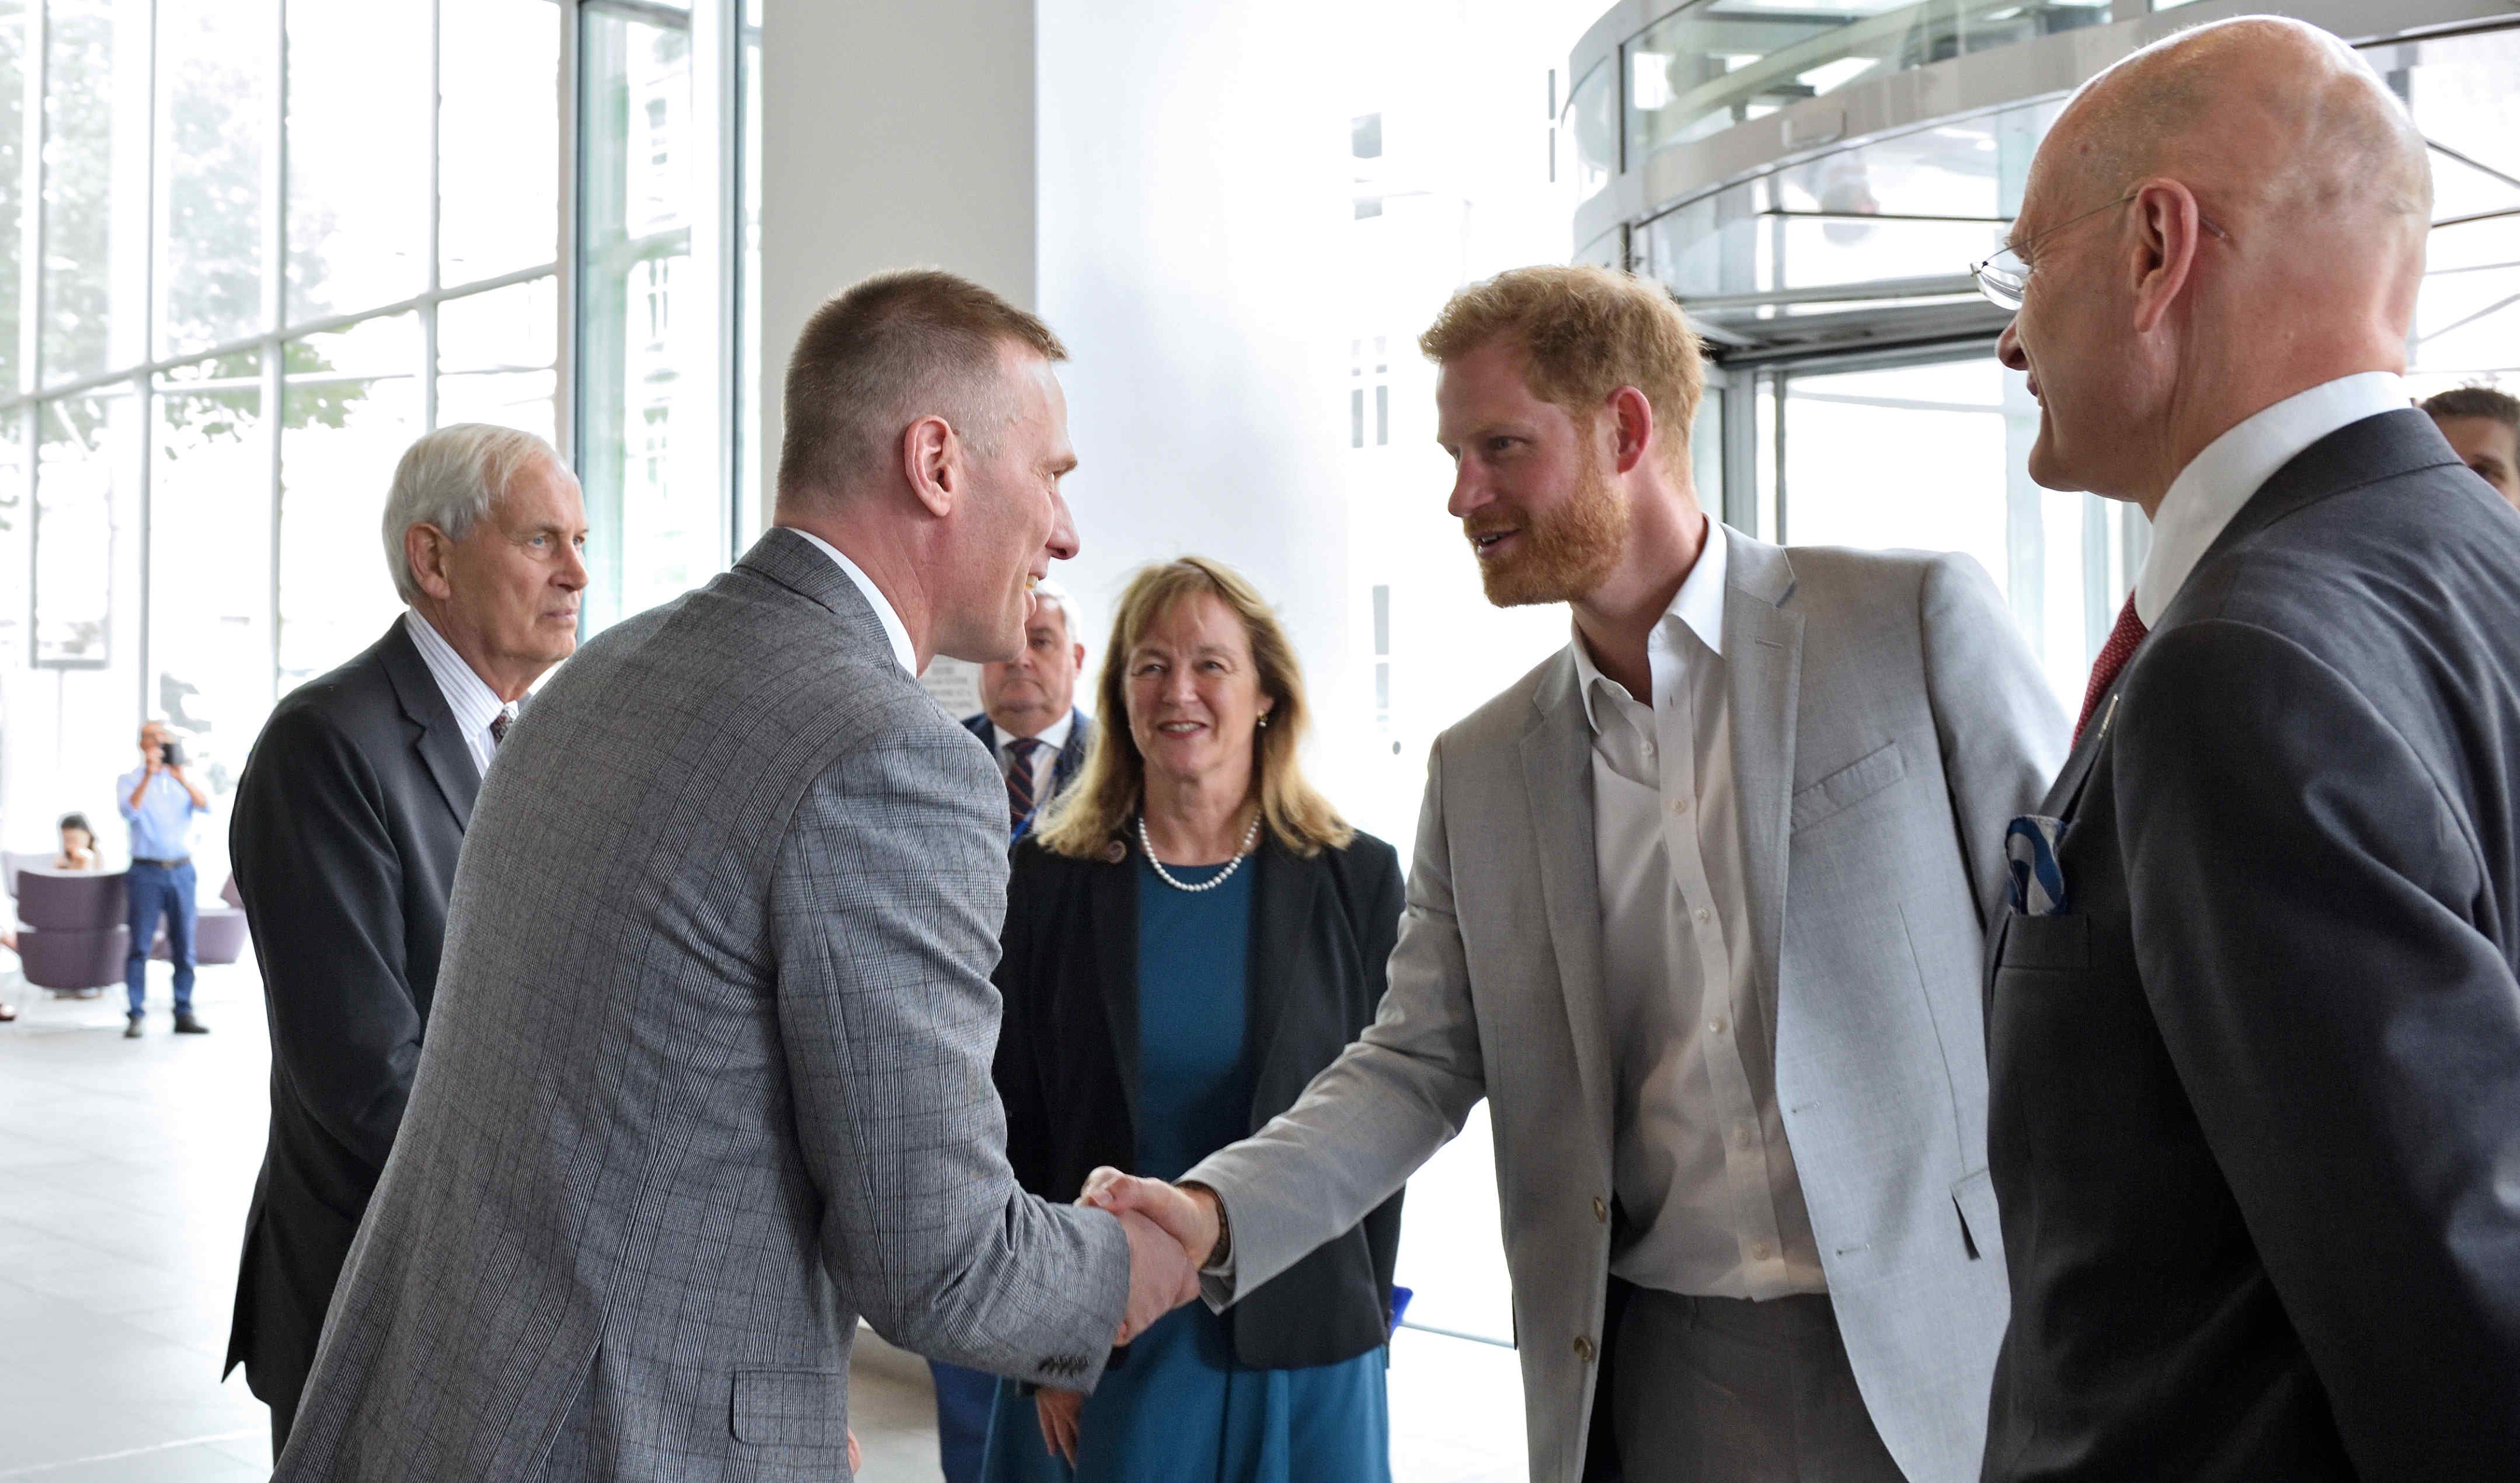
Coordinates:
x,y
1171,1234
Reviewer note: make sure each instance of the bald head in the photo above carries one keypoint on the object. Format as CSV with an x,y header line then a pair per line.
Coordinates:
x,y
2268,118
2216,223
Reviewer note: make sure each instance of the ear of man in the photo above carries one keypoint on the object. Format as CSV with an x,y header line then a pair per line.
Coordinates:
x,y
2169,223
424,547
1632,427
932,462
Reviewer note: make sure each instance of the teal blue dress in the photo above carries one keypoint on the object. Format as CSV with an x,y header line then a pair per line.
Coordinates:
x,y
1182,1410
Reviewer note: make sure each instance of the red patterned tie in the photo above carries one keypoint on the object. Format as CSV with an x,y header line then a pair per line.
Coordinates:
x,y
2119,647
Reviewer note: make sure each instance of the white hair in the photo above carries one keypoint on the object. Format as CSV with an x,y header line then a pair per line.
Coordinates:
x,y
450,479
1049,594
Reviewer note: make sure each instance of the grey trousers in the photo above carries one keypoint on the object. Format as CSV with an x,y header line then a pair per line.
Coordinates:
x,y
1723,1390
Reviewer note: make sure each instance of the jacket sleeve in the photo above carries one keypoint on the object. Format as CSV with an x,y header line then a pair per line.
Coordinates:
x,y
2002,733
886,904
323,885
2305,899
1366,1123
1378,933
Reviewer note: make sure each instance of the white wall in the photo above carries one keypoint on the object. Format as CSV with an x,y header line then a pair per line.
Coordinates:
x,y
894,133
1191,196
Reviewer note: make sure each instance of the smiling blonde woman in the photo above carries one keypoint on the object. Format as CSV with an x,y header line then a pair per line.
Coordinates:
x,y
1190,936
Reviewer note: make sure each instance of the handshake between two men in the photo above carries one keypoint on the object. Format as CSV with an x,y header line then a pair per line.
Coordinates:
x,y
1173,1232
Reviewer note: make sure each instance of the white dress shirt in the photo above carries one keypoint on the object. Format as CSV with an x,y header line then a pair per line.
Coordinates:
x,y
2232,467
475,704
1044,758
1699,1159
893,628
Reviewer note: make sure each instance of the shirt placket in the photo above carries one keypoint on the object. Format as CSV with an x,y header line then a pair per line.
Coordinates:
x,y
1701,916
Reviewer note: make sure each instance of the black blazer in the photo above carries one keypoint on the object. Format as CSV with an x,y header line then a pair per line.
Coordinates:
x,y
2254,1098
1071,757
346,826
1322,932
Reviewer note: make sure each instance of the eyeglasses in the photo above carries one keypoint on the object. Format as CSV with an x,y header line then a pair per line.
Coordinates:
x,y
2004,276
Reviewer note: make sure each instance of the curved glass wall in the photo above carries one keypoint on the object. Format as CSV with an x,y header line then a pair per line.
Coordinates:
x,y
1834,294
1727,61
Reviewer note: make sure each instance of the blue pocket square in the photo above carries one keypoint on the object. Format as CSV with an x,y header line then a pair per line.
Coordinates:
x,y
2030,853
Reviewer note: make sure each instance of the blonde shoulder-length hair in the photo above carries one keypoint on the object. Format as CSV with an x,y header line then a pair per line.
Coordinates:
x,y
1090,817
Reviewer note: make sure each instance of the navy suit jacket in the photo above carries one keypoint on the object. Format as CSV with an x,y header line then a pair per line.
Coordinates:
x,y
1071,757
2254,1094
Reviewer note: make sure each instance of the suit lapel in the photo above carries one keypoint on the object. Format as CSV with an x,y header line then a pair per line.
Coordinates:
x,y
2349,458
1557,782
1285,887
1071,757
434,733
1763,668
1113,903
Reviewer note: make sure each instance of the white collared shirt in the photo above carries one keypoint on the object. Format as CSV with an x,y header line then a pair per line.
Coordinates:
x,y
1044,758
1700,1159
475,704
893,628
2232,467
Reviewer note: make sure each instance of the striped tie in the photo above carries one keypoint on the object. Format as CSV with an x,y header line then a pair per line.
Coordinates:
x,y
1020,794
499,725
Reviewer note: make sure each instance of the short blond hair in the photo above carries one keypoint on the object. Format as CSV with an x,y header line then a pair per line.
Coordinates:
x,y
1090,817
885,351
1584,332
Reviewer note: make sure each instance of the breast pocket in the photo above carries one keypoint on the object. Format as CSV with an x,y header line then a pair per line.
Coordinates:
x,y
2044,944
1849,786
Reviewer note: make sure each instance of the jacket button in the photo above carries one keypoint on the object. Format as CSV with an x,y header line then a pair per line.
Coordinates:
x,y
1584,1348
1601,1210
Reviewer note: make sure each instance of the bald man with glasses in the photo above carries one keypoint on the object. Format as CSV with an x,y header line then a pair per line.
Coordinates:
x,y
2253,1020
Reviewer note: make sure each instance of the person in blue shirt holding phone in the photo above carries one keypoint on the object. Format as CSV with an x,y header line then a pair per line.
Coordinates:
x,y
161,800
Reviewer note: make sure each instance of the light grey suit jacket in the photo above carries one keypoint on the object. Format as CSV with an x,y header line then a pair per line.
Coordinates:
x,y
707,1077
1887,725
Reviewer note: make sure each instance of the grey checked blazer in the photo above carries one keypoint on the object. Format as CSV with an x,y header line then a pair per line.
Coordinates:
x,y
707,1077
1887,725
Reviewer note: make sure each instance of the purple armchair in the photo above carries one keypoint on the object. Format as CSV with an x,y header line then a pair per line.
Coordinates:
x,y
71,932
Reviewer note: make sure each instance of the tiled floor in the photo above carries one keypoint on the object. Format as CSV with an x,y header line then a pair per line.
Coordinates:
x,y
125,1172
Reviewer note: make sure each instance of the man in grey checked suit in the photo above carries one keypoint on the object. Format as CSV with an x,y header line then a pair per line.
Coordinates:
x,y
709,1075
1698,905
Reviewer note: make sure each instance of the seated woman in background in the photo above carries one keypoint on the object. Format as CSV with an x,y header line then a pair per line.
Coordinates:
x,y
78,844
1190,937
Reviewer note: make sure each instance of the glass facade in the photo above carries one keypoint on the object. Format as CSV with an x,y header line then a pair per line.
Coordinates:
x,y
250,248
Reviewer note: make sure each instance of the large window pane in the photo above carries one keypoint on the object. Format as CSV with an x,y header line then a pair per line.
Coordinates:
x,y
210,562
648,450
84,486
358,153
96,185
497,356
498,136
13,167
1932,458
215,60
351,407
15,548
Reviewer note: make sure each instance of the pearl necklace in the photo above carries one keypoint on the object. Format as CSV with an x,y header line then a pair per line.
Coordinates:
x,y
1250,837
